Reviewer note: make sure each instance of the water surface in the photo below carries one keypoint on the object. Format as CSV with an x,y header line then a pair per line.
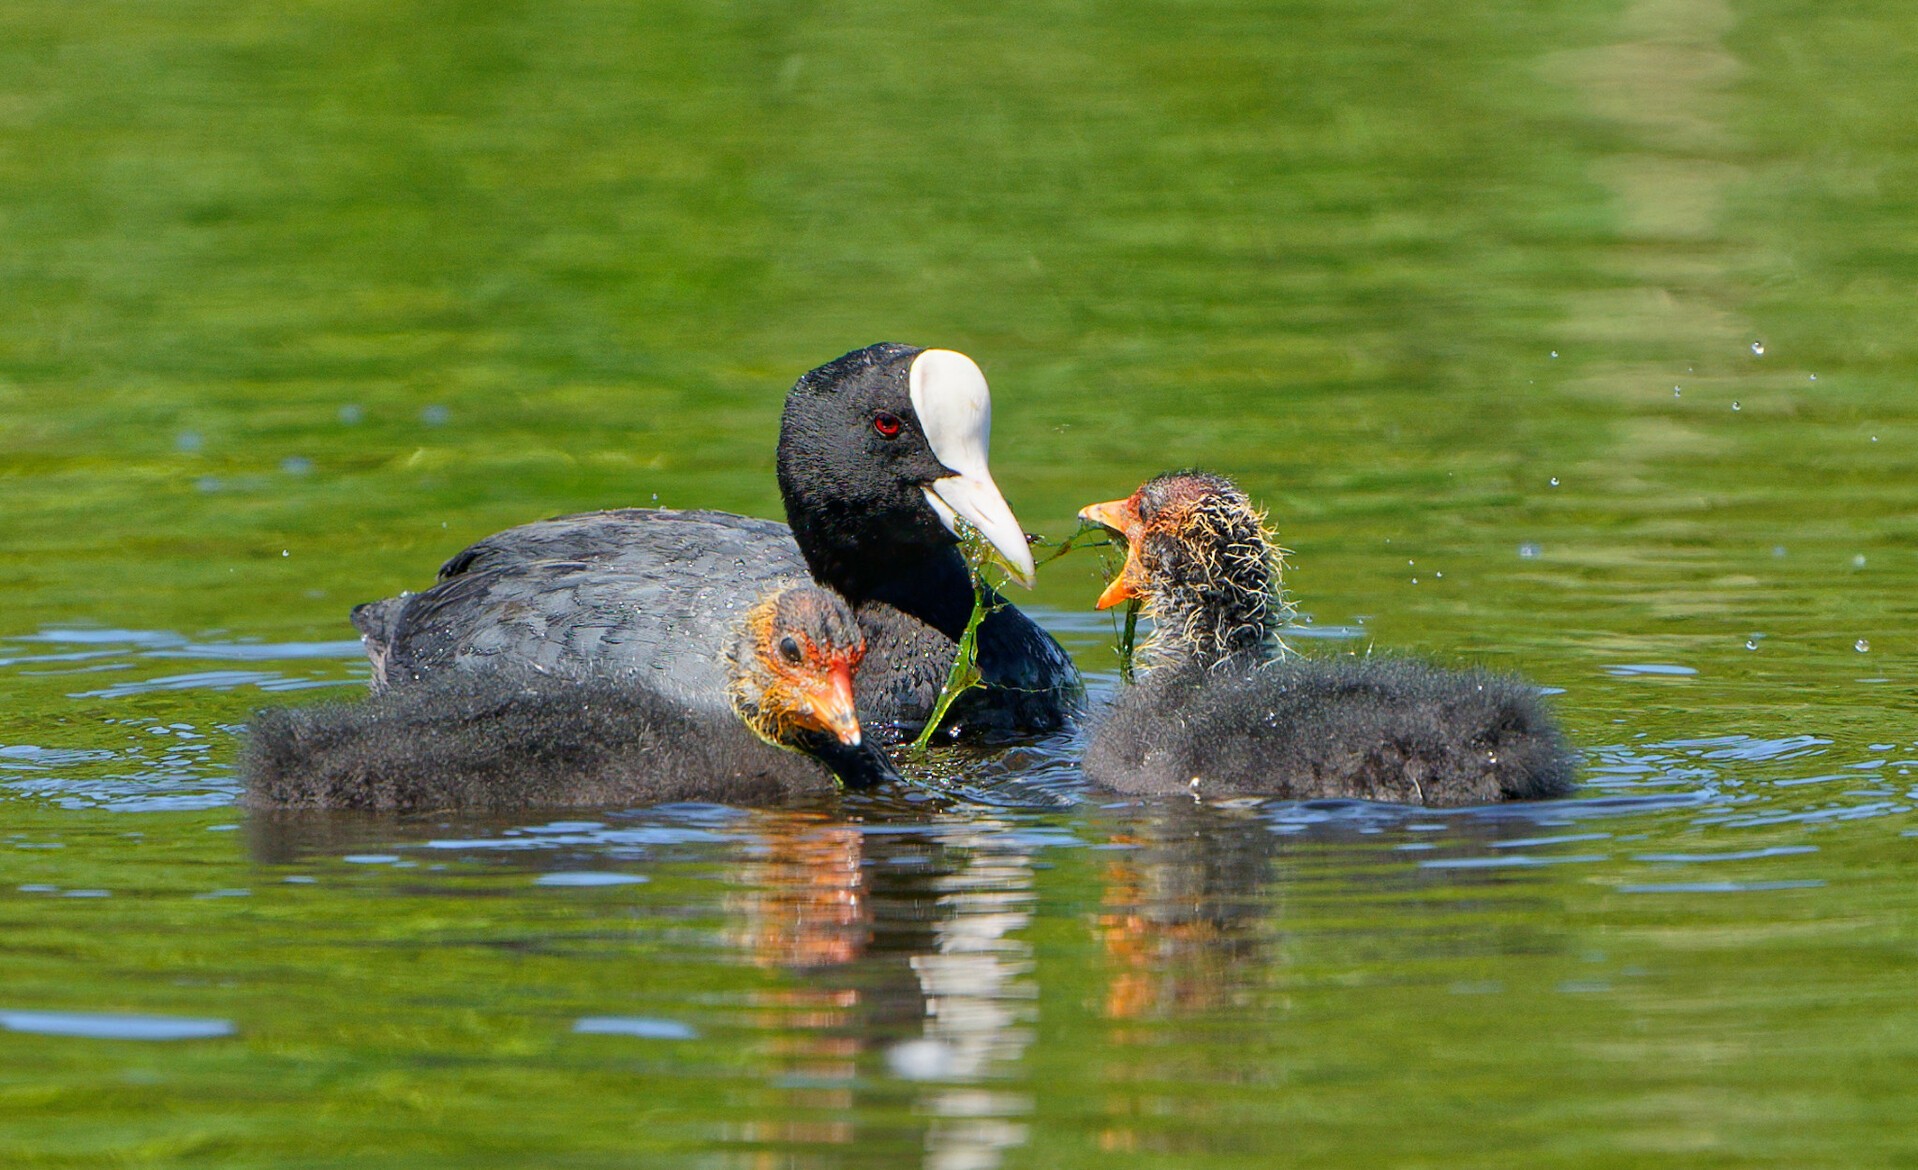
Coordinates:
x,y
1566,338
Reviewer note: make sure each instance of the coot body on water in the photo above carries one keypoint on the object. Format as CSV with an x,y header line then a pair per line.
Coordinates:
x,y
658,598
773,718
881,459
1223,710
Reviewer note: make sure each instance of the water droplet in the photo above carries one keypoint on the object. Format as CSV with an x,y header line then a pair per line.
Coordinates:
x,y
1555,481
351,413
1858,562
1411,562
435,416
1758,349
1814,377
1862,646
286,552
1735,406
1440,576
1874,438
1415,580
1528,551
1554,353
1676,392
655,497
1751,644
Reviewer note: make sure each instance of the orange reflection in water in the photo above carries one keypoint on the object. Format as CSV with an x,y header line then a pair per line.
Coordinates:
x,y
805,903
1178,924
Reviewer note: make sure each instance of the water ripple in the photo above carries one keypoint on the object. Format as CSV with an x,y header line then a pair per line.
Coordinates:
x,y
638,1026
103,1026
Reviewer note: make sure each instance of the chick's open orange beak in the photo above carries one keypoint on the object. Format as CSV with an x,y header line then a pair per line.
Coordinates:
x,y
1122,517
826,704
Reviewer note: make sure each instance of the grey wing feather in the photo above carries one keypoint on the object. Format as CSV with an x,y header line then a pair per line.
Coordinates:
x,y
594,536
650,594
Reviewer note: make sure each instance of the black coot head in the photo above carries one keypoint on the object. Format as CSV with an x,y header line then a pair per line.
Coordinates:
x,y
882,451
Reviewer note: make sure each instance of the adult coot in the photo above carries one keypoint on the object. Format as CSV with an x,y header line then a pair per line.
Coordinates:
x,y
510,736
1223,710
882,456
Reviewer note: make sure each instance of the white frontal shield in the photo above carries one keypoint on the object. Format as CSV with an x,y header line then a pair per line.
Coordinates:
x,y
955,410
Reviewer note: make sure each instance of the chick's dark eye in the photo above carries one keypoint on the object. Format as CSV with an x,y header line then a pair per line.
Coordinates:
x,y
789,650
887,424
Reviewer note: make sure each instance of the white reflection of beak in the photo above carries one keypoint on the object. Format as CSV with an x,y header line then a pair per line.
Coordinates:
x,y
955,411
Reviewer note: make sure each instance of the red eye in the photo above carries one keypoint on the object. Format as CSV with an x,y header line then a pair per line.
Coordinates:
x,y
886,424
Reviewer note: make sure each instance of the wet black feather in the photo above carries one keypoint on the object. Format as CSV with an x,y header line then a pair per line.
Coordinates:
x,y
493,741
1387,729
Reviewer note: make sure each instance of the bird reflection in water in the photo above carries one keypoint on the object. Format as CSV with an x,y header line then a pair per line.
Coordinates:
x,y
979,994
1185,922
1184,919
911,993
804,901
801,905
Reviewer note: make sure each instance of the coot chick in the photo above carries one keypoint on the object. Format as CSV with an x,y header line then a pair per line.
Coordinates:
x,y
1225,710
508,736
881,461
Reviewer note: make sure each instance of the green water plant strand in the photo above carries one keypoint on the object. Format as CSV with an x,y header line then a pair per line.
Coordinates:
x,y
1128,638
964,674
1128,635
1080,539
979,553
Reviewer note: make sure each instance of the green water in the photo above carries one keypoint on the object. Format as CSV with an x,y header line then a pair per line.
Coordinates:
x,y
295,300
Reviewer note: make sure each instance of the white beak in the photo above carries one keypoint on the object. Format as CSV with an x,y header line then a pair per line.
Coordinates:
x,y
955,411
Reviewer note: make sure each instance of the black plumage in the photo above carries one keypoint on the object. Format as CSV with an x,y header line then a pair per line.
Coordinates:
x,y
650,595
490,742
1381,728
515,731
863,523
1225,710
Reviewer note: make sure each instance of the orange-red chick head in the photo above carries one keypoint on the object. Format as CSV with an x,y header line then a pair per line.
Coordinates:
x,y
1199,557
793,668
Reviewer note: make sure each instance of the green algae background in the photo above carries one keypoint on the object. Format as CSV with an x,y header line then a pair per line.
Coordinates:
x,y
1571,338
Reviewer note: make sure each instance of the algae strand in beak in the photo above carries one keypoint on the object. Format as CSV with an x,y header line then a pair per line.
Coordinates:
x,y
964,674
1128,639
979,552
